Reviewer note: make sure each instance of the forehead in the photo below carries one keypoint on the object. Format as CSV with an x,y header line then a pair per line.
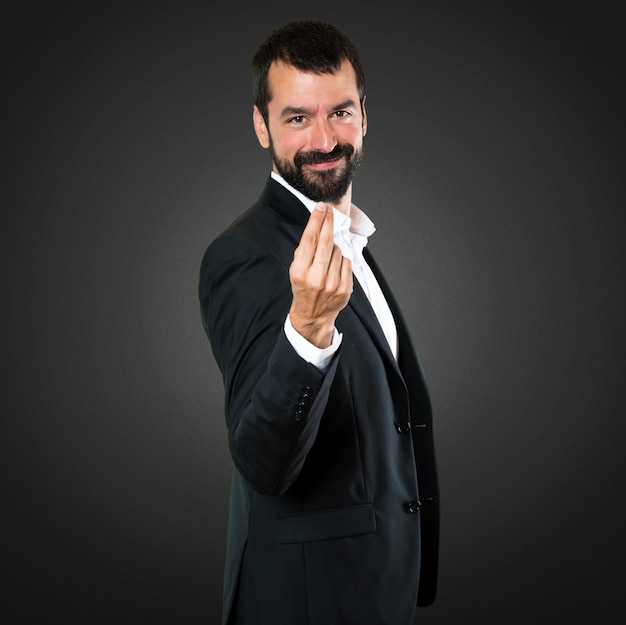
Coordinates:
x,y
290,86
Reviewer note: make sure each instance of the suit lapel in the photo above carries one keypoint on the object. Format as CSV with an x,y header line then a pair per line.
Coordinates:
x,y
285,204
403,333
408,361
391,300
364,311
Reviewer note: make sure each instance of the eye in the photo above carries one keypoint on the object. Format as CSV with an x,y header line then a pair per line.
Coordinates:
x,y
297,119
342,114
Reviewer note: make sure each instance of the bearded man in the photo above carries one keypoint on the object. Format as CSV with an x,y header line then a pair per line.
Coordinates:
x,y
334,506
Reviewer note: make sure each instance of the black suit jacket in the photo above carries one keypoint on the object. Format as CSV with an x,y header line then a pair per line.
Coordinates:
x,y
334,511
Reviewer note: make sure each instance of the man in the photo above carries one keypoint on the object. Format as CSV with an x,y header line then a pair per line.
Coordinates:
x,y
334,498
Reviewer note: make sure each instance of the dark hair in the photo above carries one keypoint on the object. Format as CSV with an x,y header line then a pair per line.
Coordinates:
x,y
309,46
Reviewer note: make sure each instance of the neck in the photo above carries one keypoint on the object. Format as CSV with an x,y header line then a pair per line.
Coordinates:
x,y
343,204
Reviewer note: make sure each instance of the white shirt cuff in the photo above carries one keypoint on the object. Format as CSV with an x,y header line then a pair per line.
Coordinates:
x,y
319,358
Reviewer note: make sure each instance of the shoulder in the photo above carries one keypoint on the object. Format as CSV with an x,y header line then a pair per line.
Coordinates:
x,y
276,215
250,258
257,247
260,232
251,237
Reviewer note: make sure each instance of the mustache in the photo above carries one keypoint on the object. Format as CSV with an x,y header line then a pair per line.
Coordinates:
x,y
316,156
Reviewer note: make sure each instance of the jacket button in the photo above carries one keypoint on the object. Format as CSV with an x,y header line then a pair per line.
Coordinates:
x,y
299,413
413,505
303,403
403,428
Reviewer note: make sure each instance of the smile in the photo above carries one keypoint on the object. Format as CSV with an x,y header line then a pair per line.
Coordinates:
x,y
325,165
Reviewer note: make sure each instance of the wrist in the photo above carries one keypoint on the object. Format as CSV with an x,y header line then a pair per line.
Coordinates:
x,y
316,331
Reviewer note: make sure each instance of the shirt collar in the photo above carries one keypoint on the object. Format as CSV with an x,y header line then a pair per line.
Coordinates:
x,y
357,223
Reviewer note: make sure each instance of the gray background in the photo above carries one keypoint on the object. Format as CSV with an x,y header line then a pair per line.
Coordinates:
x,y
494,170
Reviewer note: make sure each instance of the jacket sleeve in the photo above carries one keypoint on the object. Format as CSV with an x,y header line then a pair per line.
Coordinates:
x,y
274,400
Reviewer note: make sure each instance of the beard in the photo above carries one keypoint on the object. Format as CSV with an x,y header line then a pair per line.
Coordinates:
x,y
320,186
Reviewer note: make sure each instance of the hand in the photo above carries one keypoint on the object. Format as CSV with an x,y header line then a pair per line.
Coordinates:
x,y
321,279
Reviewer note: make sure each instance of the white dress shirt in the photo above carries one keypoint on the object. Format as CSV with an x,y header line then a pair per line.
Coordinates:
x,y
350,235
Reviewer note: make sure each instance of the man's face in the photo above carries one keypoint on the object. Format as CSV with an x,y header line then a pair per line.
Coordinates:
x,y
316,129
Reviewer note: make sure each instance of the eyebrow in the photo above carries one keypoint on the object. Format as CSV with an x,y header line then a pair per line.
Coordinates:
x,y
288,111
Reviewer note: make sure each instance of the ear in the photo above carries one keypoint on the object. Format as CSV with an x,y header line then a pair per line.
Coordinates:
x,y
364,123
260,128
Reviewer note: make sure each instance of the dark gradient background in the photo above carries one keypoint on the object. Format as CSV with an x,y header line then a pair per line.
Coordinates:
x,y
495,172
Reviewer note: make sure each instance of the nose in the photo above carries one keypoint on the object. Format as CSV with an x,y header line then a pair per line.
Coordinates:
x,y
323,136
